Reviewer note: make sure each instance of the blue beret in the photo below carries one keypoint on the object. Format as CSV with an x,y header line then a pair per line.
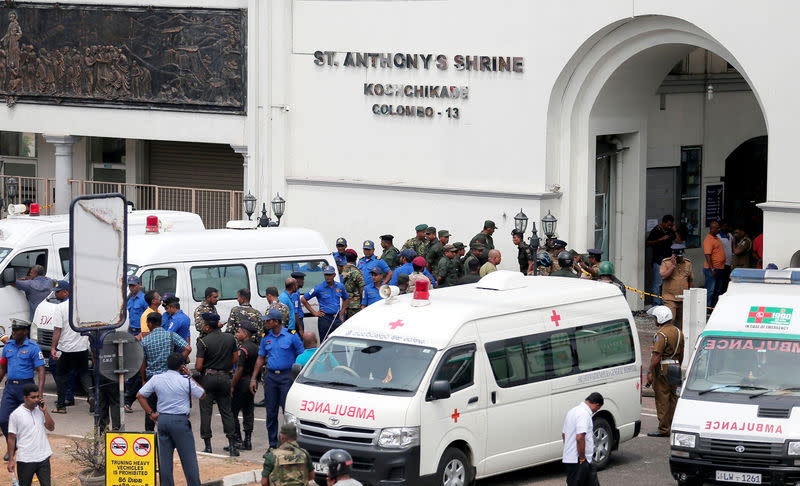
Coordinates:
x,y
408,254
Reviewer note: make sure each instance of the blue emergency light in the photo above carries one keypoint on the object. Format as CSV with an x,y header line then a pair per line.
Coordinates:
x,y
757,275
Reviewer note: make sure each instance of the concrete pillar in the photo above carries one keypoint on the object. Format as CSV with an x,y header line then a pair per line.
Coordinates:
x,y
243,151
63,172
694,320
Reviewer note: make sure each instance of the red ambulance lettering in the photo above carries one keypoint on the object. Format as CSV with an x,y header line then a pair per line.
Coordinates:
x,y
743,426
339,409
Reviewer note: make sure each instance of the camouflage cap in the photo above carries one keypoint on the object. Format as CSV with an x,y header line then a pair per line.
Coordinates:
x,y
430,230
289,430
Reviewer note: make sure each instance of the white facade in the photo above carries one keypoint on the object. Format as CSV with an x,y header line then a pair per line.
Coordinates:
x,y
522,140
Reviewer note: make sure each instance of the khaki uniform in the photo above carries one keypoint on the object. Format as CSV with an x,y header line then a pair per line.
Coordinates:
x,y
201,309
287,465
673,286
354,284
242,313
420,247
668,341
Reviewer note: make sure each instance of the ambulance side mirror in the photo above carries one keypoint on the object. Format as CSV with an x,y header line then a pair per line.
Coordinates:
x,y
296,369
439,390
8,277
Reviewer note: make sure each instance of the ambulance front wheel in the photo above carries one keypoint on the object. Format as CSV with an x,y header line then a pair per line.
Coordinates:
x,y
454,468
603,443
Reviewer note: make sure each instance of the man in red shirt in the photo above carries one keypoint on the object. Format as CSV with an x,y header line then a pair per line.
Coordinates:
x,y
714,265
758,250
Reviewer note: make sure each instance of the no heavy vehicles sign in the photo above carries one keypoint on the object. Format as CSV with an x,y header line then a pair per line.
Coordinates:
x,y
130,459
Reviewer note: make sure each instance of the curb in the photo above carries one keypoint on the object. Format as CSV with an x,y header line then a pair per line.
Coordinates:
x,y
237,479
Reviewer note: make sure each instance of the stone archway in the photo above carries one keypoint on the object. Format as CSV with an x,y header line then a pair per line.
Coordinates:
x,y
603,90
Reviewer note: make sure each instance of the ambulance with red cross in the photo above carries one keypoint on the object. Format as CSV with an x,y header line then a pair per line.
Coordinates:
x,y
467,382
738,417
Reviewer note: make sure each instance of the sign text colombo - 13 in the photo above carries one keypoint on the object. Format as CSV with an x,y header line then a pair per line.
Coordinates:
x,y
418,93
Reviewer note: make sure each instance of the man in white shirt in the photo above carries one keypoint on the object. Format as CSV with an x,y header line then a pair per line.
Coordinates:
x,y
27,439
70,350
578,437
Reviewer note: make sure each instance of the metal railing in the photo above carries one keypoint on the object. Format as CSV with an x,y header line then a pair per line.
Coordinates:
x,y
215,206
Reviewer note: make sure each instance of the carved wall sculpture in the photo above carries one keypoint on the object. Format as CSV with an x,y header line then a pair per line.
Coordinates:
x,y
179,59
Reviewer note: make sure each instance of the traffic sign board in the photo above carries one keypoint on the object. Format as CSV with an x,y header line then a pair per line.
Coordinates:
x,y
132,355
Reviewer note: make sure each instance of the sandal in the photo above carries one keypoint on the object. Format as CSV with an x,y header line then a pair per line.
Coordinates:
x,y
60,410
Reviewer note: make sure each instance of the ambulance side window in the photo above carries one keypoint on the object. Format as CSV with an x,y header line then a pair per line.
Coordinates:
x,y
458,367
63,256
161,280
23,262
508,362
228,279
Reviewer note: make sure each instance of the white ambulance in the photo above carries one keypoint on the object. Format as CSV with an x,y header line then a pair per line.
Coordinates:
x,y
475,383
738,417
27,240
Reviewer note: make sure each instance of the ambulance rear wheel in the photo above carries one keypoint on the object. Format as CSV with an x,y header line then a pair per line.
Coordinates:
x,y
603,443
454,468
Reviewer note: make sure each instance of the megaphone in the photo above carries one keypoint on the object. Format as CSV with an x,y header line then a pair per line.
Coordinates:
x,y
15,209
389,291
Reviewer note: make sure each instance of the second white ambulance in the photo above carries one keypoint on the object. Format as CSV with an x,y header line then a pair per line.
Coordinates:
x,y
738,418
475,383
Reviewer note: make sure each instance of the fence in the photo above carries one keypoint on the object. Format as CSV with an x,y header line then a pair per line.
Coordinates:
x,y
215,206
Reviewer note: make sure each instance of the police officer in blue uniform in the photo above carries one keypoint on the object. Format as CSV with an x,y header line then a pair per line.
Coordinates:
x,y
338,255
407,268
370,261
136,305
279,349
21,359
331,296
300,277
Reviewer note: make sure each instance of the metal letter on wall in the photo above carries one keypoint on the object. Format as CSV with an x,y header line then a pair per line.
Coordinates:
x,y
167,58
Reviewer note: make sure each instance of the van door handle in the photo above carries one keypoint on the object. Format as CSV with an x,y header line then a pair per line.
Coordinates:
x,y
472,400
494,397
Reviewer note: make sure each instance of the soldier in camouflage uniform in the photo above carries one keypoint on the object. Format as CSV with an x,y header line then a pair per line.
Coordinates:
x,y
354,283
244,312
419,244
274,303
554,247
476,252
460,252
436,251
208,305
485,236
288,464
448,269
390,255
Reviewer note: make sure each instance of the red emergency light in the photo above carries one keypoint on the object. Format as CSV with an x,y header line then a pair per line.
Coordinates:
x,y
421,292
33,210
152,225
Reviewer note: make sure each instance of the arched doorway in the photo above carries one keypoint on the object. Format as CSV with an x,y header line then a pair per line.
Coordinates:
x,y
609,101
746,183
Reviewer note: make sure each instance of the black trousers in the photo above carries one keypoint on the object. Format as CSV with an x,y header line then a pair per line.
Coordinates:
x,y
79,361
242,401
581,474
26,470
132,386
152,400
108,405
218,389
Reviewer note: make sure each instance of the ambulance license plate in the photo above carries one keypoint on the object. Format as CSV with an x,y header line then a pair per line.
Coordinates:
x,y
323,469
738,477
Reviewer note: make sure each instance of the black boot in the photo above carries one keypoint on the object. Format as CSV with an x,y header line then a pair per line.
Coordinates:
x,y
208,445
246,445
232,450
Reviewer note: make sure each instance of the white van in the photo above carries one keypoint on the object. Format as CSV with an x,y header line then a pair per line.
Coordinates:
x,y
185,264
476,383
738,417
44,240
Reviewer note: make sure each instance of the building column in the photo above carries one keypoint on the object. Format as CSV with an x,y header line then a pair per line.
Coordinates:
x,y
243,151
63,158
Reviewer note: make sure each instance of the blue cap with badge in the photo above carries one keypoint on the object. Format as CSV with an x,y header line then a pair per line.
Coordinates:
x,y
134,280
341,242
328,270
369,245
61,285
272,315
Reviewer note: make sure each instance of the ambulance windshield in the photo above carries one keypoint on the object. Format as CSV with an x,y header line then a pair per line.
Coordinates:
x,y
367,365
4,252
742,365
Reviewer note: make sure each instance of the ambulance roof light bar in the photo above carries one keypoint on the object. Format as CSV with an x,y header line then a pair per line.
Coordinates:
x,y
757,275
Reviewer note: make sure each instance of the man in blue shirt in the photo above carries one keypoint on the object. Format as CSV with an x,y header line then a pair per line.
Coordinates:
x,y
174,319
36,287
372,290
407,268
338,255
330,295
21,358
370,261
173,389
279,350
287,298
299,314
136,305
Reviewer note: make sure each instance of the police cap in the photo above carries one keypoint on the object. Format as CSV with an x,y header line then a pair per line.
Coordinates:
x,y
369,245
272,315
64,285
408,254
678,248
387,237
298,274
210,318
376,271
559,244
328,270
594,252
20,324
249,327
341,242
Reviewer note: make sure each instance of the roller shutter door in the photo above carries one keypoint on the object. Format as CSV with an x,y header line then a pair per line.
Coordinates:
x,y
198,165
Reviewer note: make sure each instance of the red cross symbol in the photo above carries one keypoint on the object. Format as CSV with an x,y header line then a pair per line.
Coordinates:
x,y
760,314
394,325
555,317
455,415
